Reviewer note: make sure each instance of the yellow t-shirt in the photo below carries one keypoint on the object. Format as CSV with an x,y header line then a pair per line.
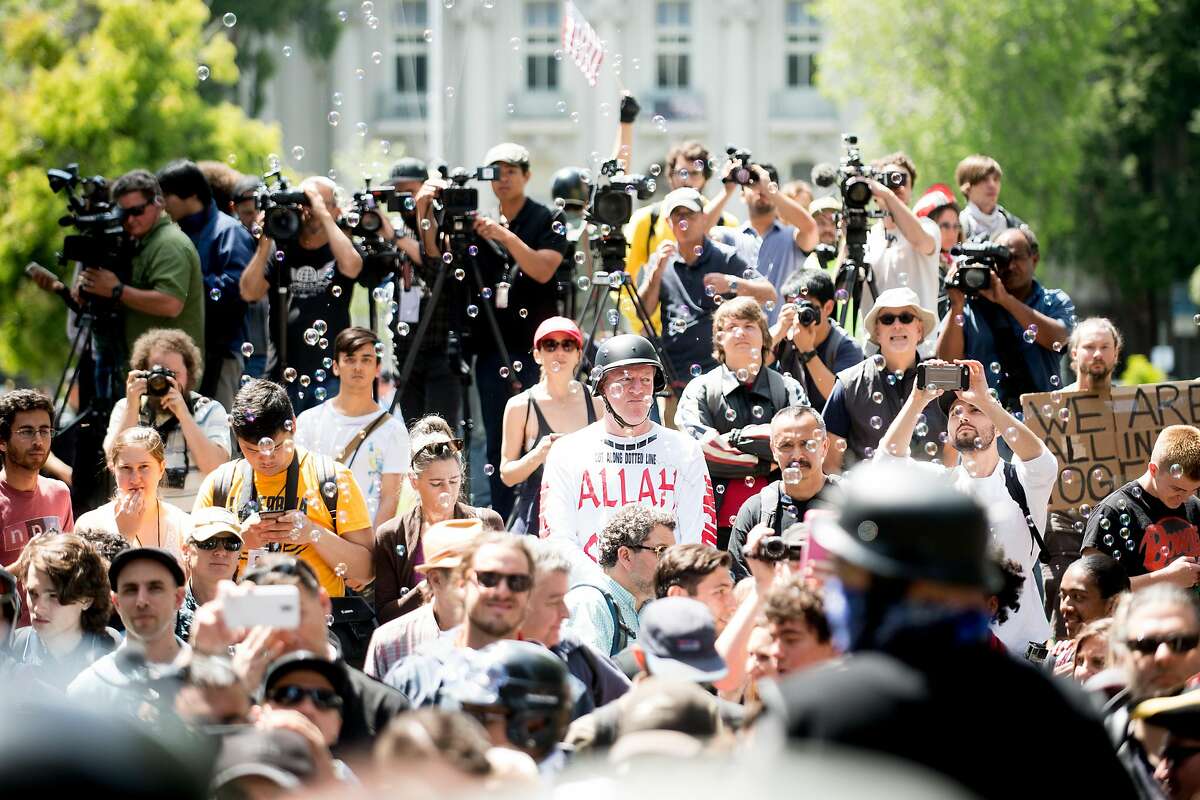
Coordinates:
x,y
351,509
643,242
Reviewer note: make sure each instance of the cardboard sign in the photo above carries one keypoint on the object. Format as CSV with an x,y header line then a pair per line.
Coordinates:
x,y
1102,444
582,43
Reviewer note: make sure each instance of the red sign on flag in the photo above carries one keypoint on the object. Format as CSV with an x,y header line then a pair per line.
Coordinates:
x,y
581,42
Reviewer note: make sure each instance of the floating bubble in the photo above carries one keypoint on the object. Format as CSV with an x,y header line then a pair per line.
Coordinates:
x,y
730,414
488,470
247,349
202,72
486,293
877,397
756,412
376,57
517,365
449,92
523,313
743,375
697,370
1176,471
359,73
343,16
320,375
504,372
931,449
214,294
320,326
305,381
289,374
320,393
1029,336
876,423
459,274
994,367
360,128
287,51
402,329
323,343
515,43
297,153
472,311
333,118
311,337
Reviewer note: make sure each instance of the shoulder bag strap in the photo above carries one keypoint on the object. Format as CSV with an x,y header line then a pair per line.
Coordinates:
x,y
1017,492
351,448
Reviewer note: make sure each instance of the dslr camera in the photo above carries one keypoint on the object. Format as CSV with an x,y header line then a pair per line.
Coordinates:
x,y
281,207
365,218
158,380
976,260
853,176
774,548
611,199
742,174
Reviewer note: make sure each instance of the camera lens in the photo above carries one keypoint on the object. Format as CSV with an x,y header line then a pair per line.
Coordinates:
x,y
282,223
857,192
808,315
370,221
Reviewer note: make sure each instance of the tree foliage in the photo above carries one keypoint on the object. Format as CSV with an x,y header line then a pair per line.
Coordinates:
x,y
112,85
1009,78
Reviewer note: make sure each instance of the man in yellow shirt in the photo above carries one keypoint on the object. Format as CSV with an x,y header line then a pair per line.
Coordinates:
x,y
688,165
288,499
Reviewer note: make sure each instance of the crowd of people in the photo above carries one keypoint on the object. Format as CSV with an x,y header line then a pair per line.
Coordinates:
x,y
725,514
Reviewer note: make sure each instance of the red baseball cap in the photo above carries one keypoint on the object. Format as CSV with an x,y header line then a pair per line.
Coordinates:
x,y
935,197
558,325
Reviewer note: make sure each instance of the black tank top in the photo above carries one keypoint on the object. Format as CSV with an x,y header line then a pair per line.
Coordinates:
x,y
526,512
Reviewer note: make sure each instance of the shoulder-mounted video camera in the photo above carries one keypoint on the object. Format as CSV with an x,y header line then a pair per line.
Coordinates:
x,y
976,260
611,199
364,219
281,207
459,203
101,239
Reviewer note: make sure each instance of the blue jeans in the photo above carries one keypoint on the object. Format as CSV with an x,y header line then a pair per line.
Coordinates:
x,y
494,392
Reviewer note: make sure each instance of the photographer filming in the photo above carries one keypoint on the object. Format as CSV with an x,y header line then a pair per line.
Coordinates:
x,y
809,345
164,370
317,264
1003,318
166,287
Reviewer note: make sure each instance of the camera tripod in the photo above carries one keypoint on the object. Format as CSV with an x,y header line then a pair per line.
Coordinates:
x,y
461,239
609,286
855,271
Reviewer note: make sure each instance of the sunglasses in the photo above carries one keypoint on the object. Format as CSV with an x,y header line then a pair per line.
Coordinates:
x,y
231,545
550,345
518,584
1179,643
658,550
134,211
325,699
906,318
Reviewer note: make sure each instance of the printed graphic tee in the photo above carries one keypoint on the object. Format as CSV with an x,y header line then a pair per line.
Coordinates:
x,y
1140,532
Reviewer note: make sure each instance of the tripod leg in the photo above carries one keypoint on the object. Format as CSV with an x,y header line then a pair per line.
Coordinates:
x,y
651,333
513,381
410,359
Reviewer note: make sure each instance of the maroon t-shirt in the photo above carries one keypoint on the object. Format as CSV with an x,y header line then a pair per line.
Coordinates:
x,y
24,515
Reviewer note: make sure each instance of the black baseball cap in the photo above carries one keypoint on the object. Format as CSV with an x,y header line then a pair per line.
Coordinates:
x,y
333,671
679,639
127,557
408,169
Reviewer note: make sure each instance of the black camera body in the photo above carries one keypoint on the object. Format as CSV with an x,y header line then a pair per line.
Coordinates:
x,y
281,207
459,201
976,262
807,313
100,240
853,177
158,380
742,174
774,548
611,199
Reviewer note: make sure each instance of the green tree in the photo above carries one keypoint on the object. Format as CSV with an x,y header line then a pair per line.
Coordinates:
x,y
112,85
1009,78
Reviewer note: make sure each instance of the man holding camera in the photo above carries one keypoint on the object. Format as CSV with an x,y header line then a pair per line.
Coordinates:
x,y
225,248
166,287
319,267
903,248
799,445
808,344
1016,495
1014,326
164,369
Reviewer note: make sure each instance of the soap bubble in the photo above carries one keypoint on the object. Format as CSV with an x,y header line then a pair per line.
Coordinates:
x,y
289,374
202,72
229,20
311,337
297,153
876,423
214,294
247,349
287,51
334,118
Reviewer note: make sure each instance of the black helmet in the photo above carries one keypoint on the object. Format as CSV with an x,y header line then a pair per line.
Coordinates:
x,y
529,682
626,350
568,184
409,169
901,523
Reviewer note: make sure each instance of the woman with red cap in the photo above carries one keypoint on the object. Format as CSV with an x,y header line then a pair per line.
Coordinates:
x,y
537,416
939,205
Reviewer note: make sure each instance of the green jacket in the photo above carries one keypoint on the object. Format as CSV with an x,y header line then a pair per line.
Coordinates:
x,y
166,261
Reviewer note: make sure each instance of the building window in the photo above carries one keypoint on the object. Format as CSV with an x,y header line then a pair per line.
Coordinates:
x,y
542,36
410,18
802,41
673,21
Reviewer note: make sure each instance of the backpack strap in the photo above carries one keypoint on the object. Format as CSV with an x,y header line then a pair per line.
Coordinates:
x,y
352,446
771,498
621,632
326,469
654,209
1017,492
223,482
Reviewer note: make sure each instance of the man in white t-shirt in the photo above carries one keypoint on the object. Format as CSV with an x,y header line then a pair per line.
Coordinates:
x,y
625,458
352,428
975,422
903,248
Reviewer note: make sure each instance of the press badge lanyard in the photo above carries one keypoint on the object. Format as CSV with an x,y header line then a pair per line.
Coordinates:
x,y
290,490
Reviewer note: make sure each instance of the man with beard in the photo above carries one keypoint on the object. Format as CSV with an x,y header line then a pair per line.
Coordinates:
x,y
1154,641
496,575
30,504
147,590
799,444
1015,494
1095,347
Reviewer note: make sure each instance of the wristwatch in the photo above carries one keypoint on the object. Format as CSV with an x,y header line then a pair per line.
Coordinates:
x,y
807,356
117,290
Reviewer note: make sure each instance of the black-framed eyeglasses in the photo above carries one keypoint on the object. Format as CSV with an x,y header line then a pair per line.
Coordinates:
x,y
29,433
325,699
1179,643
440,449
517,583
906,318
550,345
658,549
227,542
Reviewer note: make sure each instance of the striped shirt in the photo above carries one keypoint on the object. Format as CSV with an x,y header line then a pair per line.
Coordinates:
x,y
394,640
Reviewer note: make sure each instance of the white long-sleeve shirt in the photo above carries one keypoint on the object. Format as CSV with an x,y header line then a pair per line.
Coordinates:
x,y
590,474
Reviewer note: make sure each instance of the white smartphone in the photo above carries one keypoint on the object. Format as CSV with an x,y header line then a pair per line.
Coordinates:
x,y
272,606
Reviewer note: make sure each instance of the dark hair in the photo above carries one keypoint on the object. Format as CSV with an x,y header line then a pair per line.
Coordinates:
x,y
107,543
1105,572
172,340
260,408
1008,596
244,188
221,179
899,159
138,180
685,565
429,430
693,151
184,179
429,733
281,570
18,400
814,284
790,600
629,527
772,173
77,572
351,339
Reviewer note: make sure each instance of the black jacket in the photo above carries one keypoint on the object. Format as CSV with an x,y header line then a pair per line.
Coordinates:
x,y
369,707
974,714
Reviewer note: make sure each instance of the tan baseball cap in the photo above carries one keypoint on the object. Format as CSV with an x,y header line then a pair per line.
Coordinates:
x,y
444,542
208,522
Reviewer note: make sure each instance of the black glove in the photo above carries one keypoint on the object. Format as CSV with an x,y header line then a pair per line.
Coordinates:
x,y
629,109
